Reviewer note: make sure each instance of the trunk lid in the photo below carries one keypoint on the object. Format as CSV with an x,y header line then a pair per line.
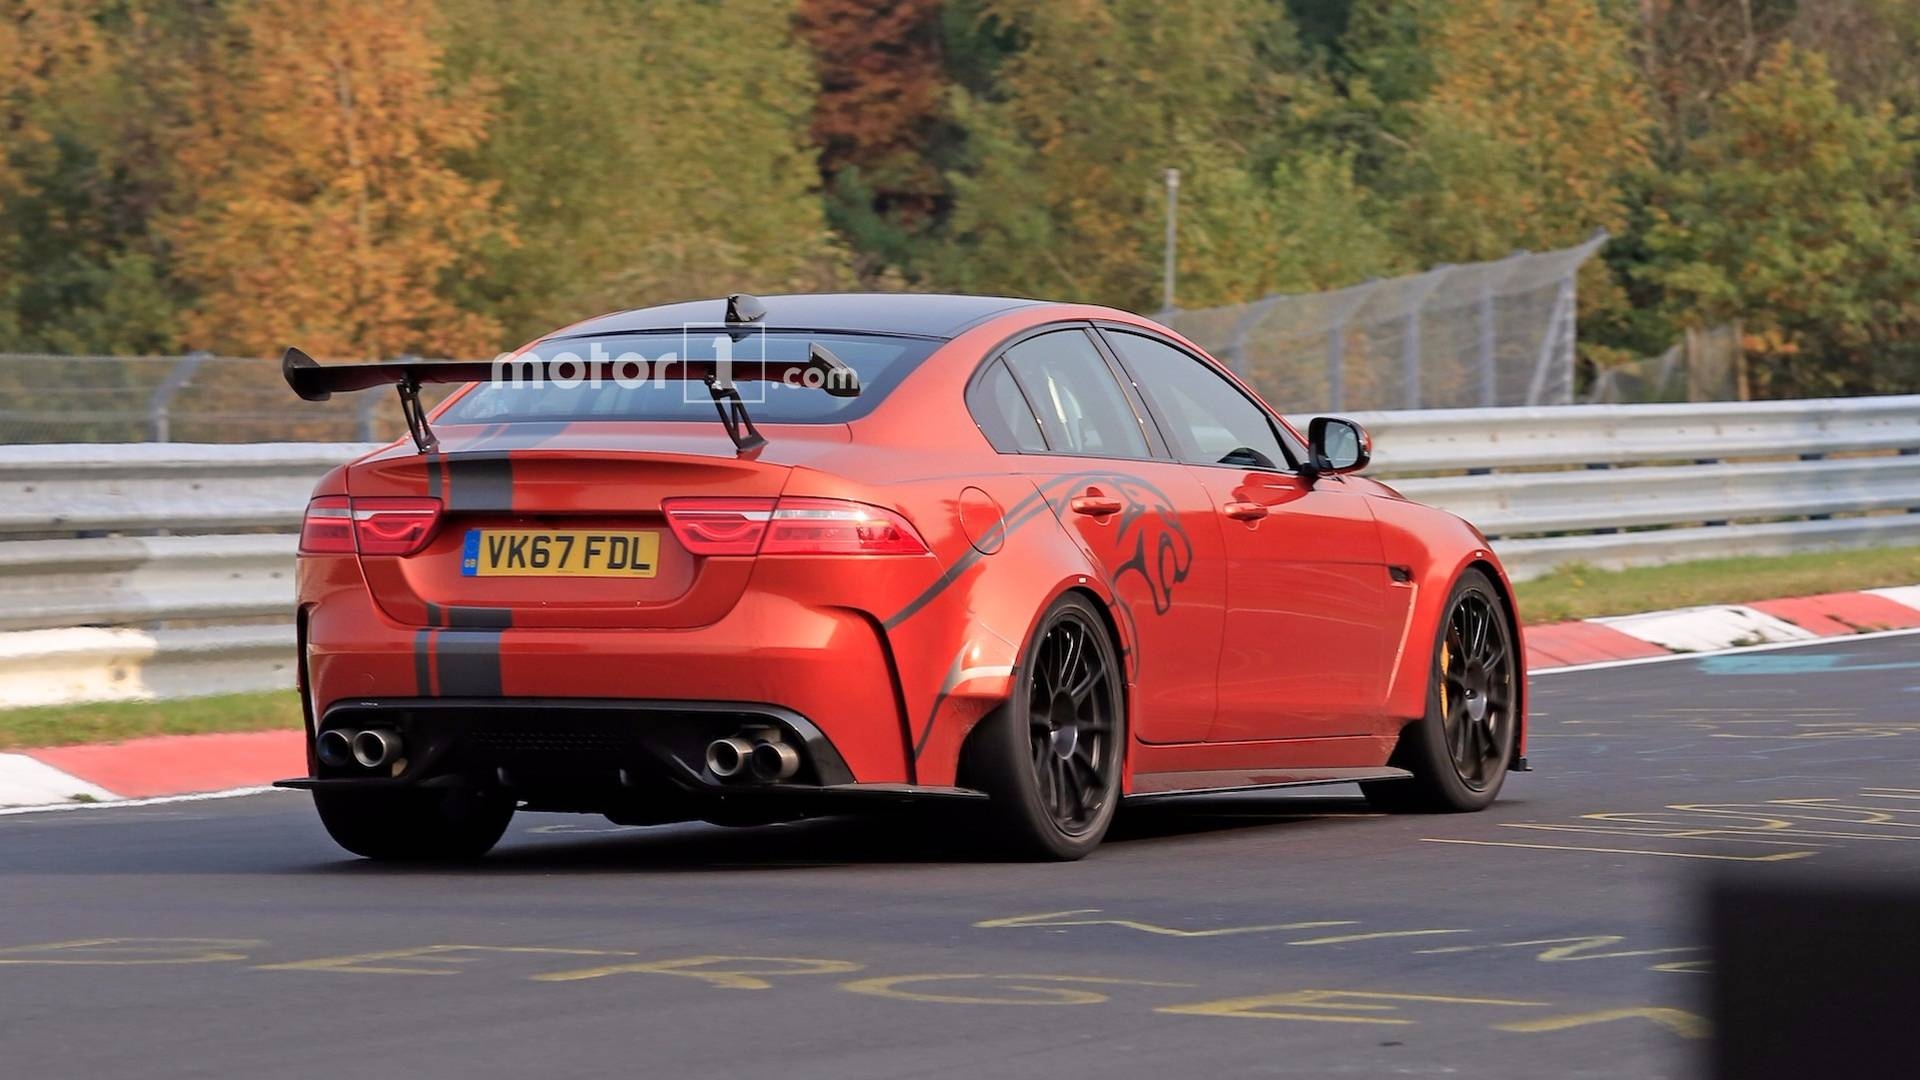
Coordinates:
x,y
584,481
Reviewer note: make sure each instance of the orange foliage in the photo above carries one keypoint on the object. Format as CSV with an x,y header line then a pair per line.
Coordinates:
x,y
1548,86
42,44
325,211
880,99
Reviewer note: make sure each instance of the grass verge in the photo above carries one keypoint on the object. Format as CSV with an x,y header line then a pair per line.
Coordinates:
x,y
111,721
1580,592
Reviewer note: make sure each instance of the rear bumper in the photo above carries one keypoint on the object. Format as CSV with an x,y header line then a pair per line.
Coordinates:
x,y
825,667
644,759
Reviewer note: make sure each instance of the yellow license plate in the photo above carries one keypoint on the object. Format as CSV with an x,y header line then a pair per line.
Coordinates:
x,y
573,553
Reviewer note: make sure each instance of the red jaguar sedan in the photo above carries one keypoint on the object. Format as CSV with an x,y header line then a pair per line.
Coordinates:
x,y
746,560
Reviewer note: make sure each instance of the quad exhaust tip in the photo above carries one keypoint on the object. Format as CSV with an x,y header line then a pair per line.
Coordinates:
x,y
335,748
773,760
727,758
765,757
373,748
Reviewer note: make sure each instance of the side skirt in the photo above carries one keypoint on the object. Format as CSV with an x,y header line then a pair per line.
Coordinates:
x,y
1164,785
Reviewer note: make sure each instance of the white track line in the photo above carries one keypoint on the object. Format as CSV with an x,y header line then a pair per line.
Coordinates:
x,y
161,800
1739,649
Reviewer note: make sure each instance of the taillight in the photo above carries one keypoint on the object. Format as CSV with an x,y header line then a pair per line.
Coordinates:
x,y
789,527
328,528
838,527
382,525
718,526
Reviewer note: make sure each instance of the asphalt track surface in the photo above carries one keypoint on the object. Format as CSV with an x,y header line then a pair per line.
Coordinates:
x,y
1294,935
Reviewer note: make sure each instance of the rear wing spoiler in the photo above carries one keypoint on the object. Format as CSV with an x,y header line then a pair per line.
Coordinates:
x,y
821,370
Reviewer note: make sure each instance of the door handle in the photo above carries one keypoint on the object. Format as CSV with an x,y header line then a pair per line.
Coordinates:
x,y
1096,506
1245,511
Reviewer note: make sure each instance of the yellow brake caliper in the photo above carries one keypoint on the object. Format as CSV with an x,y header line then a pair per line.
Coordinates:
x,y
1446,662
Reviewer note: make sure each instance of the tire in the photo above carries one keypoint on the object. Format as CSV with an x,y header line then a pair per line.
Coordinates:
x,y
415,826
1459,751
1050,759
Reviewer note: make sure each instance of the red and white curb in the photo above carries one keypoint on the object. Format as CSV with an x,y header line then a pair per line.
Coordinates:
x,y
1717,627
191,767
141,770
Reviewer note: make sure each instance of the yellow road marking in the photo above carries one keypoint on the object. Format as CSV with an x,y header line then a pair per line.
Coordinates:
x,y
1682,1023
1777,857
1261,1006
130,952
697,967
1054,918
888,986
362,963
1342,939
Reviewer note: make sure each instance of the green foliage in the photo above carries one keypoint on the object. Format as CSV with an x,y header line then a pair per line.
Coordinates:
x,y
1755,161
1066,195
1797,215
645,152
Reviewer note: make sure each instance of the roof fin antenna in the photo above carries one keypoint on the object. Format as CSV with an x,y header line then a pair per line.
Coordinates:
x,y
744,308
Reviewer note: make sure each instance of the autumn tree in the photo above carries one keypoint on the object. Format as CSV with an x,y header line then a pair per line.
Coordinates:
x,y
1065,196
1797,215
326,213
79,269
1534,121
647,152
880,105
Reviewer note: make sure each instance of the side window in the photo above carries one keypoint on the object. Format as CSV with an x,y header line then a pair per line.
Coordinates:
x,y
1082,409
1206,418
1003,415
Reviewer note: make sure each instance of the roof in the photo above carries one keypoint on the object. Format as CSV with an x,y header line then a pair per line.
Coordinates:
x,y
934,315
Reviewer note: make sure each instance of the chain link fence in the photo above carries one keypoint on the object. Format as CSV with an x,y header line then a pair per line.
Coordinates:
x,y
1496,333
1490,333
197,398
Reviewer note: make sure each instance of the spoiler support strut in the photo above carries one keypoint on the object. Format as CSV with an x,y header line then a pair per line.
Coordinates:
x,y
416,414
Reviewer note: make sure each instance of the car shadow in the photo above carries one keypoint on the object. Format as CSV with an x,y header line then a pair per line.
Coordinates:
x,y
551,843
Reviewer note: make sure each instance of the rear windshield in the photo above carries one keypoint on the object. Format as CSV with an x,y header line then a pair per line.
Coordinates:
x,y
881,361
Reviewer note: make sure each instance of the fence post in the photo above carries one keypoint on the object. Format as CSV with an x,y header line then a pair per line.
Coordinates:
x,y
1336,364
1489,374
1557,334
159,422
1237,350
1410,337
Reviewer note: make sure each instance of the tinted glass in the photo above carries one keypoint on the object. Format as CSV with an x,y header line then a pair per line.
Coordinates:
x,y
1081,407
1003,414
881,361
1206,418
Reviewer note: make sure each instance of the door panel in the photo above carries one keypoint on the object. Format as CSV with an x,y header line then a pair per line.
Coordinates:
x,y
1307,636
1308,631
1161,550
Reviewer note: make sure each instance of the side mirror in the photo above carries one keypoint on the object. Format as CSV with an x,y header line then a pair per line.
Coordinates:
x,y
1337,446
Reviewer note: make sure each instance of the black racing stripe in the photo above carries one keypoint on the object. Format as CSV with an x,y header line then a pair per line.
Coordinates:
x,y
946,690
469,663
1022,512
482,483
479,618
434,614
423,662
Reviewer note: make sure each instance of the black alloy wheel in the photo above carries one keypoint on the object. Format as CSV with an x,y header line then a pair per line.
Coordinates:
x,y
1051,758
1459,752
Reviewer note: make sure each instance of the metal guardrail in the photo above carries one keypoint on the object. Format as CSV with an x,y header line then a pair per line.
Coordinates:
x,y
135,570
